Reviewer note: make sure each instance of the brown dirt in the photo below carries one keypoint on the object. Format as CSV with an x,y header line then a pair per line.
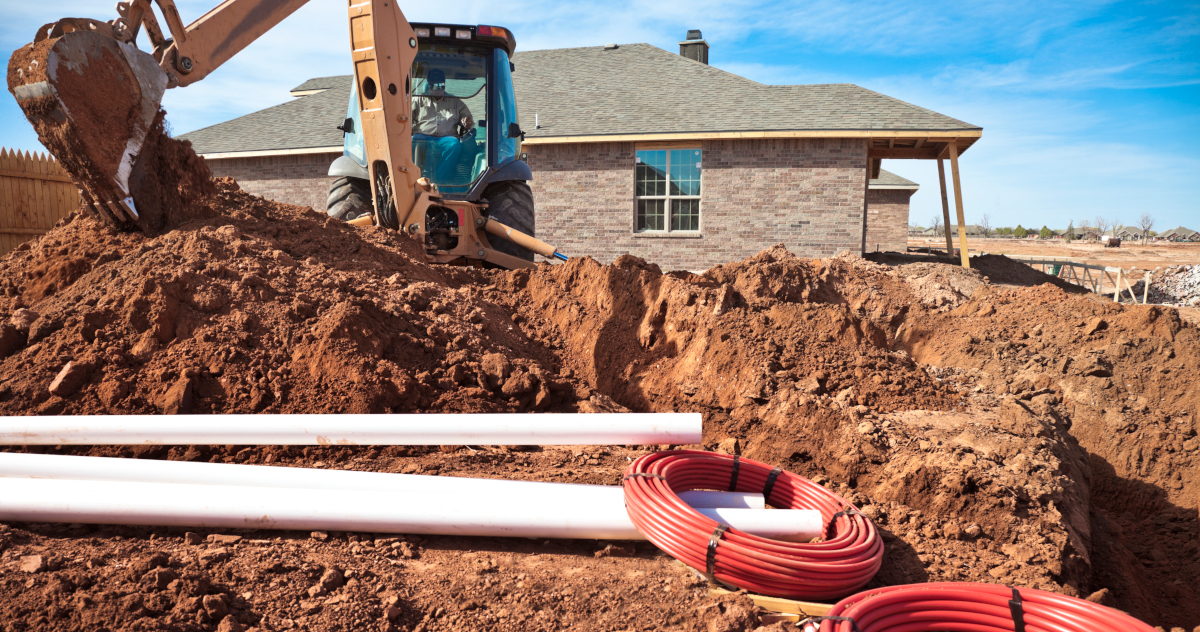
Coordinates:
x,y
996,269
1020,435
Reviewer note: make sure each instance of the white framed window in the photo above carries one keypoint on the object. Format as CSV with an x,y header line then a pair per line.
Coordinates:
x,y
667,190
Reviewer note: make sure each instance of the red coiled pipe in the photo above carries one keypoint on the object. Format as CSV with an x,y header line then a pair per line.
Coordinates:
x,y
848,558
967,607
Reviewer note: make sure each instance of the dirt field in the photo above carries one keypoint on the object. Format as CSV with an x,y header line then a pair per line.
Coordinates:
x,y
1128,256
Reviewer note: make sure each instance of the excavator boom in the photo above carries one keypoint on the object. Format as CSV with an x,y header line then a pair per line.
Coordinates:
x,y
94,99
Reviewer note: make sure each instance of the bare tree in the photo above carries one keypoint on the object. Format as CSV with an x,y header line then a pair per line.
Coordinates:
x,y
1145,222
936,224
985,225
1102,225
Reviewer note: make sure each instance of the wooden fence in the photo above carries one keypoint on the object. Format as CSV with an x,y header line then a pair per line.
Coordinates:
x,y
34,194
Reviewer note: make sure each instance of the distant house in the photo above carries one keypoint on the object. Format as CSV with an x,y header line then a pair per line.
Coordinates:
x,y
1082,233
792,164
1124,233
973,230
1180,233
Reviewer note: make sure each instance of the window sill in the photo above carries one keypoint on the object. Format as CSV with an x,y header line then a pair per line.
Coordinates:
x,y
671,235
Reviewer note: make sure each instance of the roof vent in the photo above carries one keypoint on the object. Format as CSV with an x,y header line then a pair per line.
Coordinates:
x,y
694,47
611,47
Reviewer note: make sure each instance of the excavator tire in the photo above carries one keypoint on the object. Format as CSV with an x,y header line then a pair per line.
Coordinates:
x,y
349,198
511,203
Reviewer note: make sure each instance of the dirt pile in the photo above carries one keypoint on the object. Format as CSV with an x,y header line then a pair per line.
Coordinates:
x,y
259,306
995,269
1120,377
1016,435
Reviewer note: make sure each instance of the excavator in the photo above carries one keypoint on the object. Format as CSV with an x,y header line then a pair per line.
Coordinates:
x,y
94,98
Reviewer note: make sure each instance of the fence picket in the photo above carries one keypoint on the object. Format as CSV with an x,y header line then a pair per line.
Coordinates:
x,y
34,194
7,211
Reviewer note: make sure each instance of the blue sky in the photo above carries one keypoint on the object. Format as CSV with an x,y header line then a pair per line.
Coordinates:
x,y
1088,108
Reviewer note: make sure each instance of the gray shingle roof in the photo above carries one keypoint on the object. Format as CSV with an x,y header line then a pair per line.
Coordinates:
x,y
323,83
302,123
887,178
642,89
634,89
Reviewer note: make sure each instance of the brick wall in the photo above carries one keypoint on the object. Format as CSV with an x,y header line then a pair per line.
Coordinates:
x,y
887,219
298,179
807,194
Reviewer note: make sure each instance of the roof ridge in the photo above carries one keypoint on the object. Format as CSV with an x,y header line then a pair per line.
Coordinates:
x,y
647,45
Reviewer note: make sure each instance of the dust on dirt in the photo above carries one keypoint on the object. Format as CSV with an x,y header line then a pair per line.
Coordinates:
x,y
1021,435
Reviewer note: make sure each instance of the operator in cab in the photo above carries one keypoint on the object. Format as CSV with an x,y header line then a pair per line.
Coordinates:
x,y
437,118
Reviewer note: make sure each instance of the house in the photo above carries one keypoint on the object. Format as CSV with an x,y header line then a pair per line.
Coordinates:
x,y
1124,233
1180,233
798,164
1081,233
887,212
973,230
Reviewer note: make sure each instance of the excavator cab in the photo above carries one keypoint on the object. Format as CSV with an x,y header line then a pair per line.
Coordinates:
x,y
466,139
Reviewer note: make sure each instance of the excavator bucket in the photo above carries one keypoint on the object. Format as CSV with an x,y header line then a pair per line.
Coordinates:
x,y
93,100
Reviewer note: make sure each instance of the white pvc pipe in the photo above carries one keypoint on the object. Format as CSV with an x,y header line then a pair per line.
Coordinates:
x,y
212,506
433,429
703,499
478,491
474,490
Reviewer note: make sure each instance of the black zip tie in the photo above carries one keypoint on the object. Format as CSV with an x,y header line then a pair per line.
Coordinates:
x,y
771,483
646,474
711,563
733,477
1018,611
848,511
853,623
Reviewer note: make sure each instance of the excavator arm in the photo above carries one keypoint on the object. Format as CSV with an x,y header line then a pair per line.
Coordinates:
x,y
94,99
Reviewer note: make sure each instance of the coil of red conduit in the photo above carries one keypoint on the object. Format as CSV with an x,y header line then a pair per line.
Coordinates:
x,y
968,607
843,563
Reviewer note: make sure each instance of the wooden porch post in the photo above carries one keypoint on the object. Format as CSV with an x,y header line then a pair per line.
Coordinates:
x,y
958,203
945,208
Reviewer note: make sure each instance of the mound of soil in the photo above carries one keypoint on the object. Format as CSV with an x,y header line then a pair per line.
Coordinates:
x,y
1020,435
996,269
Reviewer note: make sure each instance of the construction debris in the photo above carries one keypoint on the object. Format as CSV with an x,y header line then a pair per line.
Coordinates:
x,y
1172,285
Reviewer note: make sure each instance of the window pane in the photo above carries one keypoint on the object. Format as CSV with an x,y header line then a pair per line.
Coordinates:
x,y
448,155
685,172
652,173
650,215
506,111
685,214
